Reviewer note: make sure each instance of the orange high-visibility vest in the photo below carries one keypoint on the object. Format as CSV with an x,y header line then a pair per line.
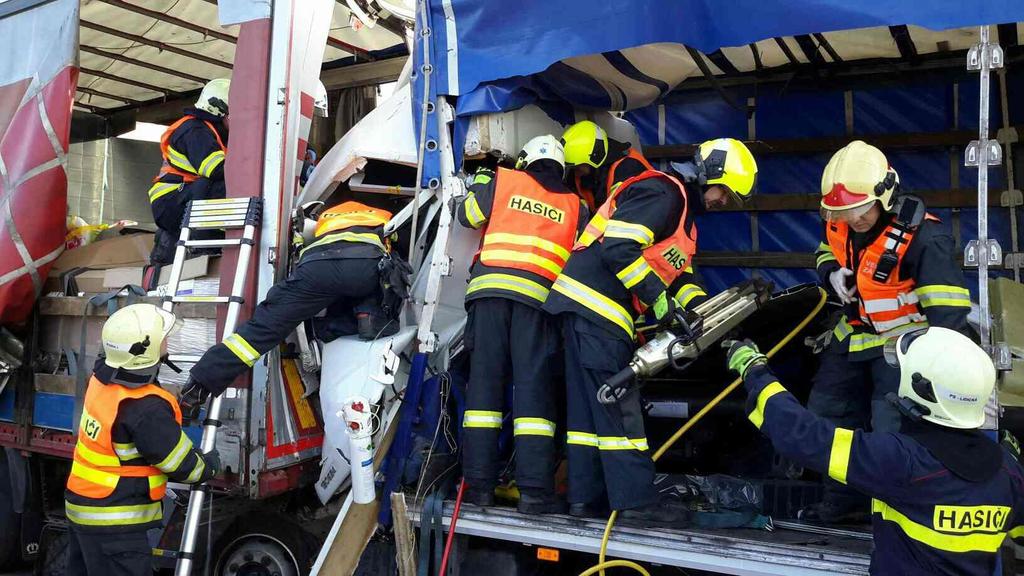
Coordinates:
x,y
588,194
349,215
884,304
96,468
166,151
530,228
668,257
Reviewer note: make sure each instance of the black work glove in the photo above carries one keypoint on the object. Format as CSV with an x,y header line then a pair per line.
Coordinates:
x,y
191,400
213,465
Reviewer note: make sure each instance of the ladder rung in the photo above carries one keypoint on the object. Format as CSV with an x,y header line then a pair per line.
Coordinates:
x,y
240,212
213,243
215,217
225,224
214,299
164,553
183,358
221,202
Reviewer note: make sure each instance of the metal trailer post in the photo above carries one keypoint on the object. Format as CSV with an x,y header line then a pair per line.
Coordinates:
x,y
982,153
984,252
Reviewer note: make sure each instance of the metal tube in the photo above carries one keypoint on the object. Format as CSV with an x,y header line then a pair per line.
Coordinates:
x,y
141,64
985,321
128,81
156,15
99,94
161,45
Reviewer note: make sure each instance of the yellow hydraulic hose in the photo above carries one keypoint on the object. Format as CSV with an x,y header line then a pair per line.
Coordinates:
x,y
602,563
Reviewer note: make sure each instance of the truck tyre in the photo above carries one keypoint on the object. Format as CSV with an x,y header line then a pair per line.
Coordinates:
x,y
54,561
10,521
260,545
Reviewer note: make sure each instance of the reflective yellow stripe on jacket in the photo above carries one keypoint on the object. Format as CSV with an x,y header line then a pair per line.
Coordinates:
x,y
523,286
161,189
957,543
113,515
357,237
595,301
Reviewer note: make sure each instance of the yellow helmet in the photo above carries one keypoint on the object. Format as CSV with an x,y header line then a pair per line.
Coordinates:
x,y
728,162
944,374
585,143
214,97
135,336
856,176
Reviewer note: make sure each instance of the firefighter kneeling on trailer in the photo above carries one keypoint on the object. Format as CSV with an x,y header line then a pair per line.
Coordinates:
x,y
637,245
347,268
193,150
530,221
944,495
891,265
129,443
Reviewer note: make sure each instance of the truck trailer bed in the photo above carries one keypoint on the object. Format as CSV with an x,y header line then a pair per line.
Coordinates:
x,y
725,551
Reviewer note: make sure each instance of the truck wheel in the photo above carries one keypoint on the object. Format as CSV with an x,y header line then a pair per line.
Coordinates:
x,y
54,562
263,546
10,522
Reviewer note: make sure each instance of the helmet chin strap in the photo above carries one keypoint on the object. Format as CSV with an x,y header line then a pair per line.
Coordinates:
x,y
912,410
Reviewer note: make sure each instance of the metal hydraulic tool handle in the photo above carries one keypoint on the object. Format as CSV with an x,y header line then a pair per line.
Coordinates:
x,y
684,342
219,214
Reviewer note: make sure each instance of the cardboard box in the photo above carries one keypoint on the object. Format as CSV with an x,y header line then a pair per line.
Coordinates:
x,y
196,267
119,252
91,282
118,277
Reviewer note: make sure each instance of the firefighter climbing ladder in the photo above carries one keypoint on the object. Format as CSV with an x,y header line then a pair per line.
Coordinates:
x,y
226,214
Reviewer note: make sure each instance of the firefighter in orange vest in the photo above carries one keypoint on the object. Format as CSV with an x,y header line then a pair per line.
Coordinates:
x,y
130,443
892,267
346,268
639,243
530,221
193,150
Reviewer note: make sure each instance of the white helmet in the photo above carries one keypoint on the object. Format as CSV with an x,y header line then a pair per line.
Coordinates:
x,y
945,374
320,100
214,97
545,147
135,337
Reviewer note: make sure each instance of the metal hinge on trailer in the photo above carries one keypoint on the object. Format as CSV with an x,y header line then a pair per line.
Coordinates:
x,y
972,253
219,214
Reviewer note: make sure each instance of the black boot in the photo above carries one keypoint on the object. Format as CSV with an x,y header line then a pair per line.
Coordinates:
x,y
588,510
480,496
536,501
372,326
665,513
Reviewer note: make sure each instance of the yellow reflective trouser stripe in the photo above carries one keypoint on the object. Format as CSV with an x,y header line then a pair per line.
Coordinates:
x,y
634,273
864,341
113,515
95,476
245,352
523,240
161,189
605,442
508,282
629,231
210,163
197,472
473,212
95,458
581,438
533,427
957,543
757,416
595,301
513,256
941,295
177,456
361,237
126,451
481,419
689,292
179,160
839,457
